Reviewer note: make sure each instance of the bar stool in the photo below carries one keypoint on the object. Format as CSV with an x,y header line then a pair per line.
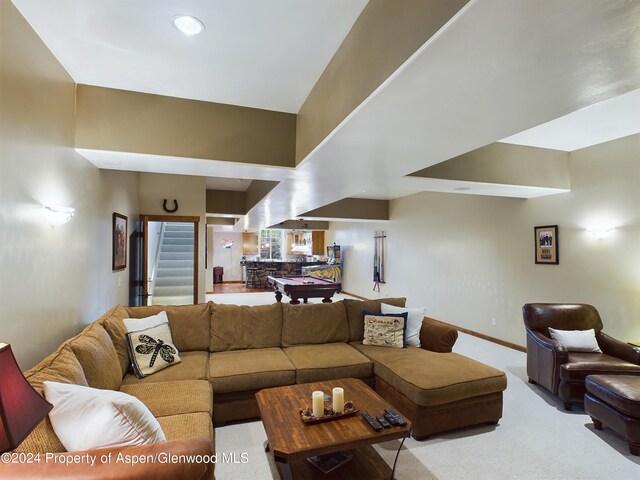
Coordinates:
x,y
252,277
269,272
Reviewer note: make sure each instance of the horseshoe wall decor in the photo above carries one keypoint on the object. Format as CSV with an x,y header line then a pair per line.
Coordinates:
x,y
170,210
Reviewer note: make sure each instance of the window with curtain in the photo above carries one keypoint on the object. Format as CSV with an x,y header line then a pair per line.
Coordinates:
x,y
271,244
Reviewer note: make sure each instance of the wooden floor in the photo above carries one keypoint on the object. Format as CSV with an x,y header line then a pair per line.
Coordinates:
x,y
235,288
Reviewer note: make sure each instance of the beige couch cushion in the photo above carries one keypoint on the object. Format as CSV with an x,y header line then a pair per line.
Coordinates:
x,y
316,363
355,309
61,366
237,327
314,323
113,324
188,425
98,357
240,370
190,324
173,398
429,378
193,366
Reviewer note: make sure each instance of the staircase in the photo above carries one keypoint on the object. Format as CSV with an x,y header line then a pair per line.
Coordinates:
x,y
174,271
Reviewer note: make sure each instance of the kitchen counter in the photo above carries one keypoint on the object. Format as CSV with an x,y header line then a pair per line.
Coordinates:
x,y
276,268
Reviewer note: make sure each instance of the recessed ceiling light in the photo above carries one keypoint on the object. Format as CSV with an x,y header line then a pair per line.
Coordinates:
x,y
460,189
188,25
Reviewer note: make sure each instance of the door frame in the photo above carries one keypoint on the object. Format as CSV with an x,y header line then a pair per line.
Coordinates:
x,y
145,249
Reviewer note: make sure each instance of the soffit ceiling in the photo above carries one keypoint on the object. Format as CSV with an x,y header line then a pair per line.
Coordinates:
x,y
255,53
604,121
232,184
496,69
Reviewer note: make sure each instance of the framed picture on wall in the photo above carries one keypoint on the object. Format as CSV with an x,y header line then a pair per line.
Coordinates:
x,y
546,242
119,241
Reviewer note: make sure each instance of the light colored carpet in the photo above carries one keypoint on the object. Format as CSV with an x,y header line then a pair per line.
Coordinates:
x,y
536,439
259,298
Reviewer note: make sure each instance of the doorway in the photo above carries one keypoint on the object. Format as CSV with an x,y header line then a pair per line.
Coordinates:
x,y
170,260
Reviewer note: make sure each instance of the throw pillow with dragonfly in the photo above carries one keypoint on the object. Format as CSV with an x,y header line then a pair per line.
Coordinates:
x,y
152,350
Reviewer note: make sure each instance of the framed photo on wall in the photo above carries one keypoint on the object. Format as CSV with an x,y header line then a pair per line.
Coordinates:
x,y
119,241
546,242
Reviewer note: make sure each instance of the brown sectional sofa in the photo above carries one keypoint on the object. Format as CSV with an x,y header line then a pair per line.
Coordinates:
x,y
230,352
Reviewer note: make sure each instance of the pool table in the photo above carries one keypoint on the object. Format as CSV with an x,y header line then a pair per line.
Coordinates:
x,y
304,287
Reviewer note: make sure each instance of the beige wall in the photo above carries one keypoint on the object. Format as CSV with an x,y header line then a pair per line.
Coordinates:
x,y
124,121
469,259
384,36
53,280
506,163
191,194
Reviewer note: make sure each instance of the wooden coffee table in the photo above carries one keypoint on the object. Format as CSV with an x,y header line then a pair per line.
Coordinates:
x,y
292,441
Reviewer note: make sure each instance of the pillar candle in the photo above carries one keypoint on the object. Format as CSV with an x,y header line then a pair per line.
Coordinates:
x,y
318,403
338,399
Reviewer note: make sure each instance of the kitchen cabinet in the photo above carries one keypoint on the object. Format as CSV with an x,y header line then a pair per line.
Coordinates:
x,y
250,244
318,242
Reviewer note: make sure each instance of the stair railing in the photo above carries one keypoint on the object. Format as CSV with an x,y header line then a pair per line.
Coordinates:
x,y
154,266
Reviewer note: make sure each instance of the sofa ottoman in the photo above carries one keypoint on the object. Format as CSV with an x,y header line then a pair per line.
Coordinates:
x,y
614,401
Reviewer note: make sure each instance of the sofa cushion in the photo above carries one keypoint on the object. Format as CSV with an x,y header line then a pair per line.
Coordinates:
x,y
237,327
428,378
98,357
192,366
355,309
190,324
240,370
437,336
314,323
173,398
61,366
581,364
316,363
113,324
187,425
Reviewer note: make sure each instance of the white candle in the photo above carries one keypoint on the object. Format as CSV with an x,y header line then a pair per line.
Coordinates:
x,y
338,399
318,403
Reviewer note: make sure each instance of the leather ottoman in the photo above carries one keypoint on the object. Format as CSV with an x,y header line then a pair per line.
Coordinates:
x,y
614,401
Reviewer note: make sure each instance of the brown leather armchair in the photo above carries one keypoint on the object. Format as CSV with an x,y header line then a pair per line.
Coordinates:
x,y
550,365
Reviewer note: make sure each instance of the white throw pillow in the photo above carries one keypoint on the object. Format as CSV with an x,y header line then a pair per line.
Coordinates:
x,y
85,418
576,340
133,324
414,322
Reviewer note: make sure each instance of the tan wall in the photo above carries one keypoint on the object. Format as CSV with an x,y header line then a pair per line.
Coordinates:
x,y
469,259
119,120
225,201
385,35
190,192
363,208
507,164
53,280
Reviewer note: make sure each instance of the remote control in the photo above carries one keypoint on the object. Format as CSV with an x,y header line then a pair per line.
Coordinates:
x,y
401,421
391,418
383,421
371,421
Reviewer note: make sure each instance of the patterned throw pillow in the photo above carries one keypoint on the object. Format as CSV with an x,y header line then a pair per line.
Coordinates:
x,y
151,350
385,330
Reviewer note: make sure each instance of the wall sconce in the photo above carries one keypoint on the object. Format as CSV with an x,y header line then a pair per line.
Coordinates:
x,y
600,232
59,215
